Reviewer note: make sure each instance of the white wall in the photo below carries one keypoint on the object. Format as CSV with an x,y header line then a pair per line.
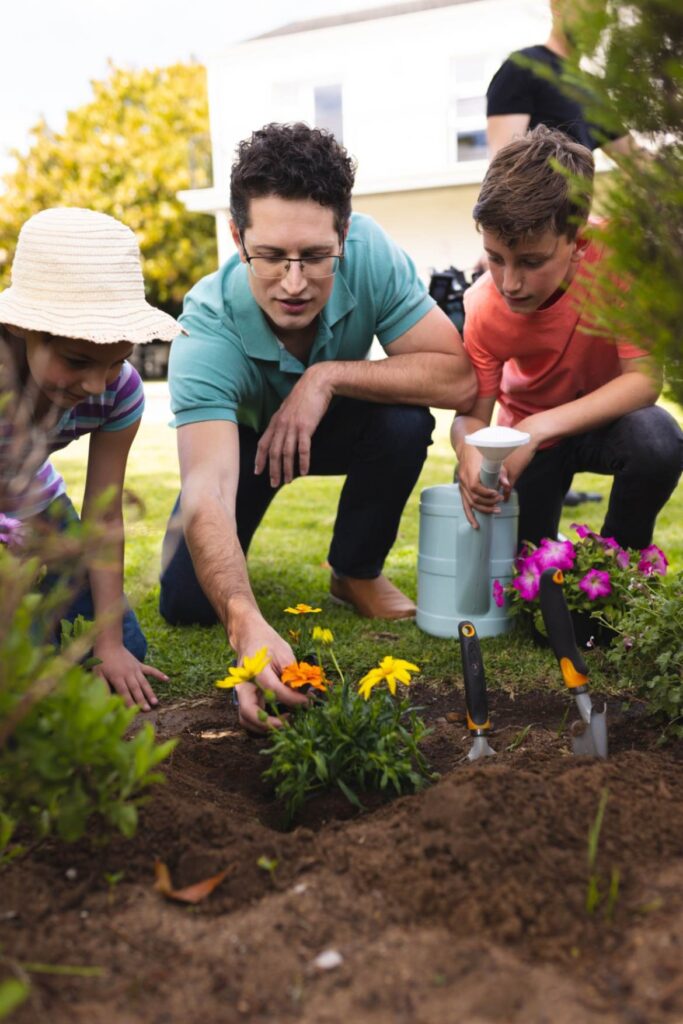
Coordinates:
x,y
399,76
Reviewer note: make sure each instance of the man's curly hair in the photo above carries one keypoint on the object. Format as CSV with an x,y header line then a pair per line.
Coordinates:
x,y
292,161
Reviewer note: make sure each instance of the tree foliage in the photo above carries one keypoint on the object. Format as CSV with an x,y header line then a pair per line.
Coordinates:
x,y
637,48
142,137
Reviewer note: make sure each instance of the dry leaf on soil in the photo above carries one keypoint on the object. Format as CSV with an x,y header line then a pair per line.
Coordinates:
x,y
191,893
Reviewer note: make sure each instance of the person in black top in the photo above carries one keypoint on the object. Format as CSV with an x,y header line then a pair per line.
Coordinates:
x,y
518,99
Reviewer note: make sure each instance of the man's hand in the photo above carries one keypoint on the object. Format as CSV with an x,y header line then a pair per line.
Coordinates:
x,y
250,696
126,675
289,433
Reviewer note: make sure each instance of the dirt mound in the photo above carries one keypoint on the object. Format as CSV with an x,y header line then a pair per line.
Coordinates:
x,y
463,903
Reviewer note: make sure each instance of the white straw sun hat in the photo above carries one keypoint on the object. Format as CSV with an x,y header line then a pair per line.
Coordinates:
x,y
77,274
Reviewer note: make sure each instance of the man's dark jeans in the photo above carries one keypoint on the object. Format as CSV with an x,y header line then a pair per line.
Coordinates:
x,y
642,450
60,514
379,448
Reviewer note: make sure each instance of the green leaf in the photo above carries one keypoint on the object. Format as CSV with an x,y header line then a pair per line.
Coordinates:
x,y
12,994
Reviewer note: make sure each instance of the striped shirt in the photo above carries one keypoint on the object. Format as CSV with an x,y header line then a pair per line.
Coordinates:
x,y
115,409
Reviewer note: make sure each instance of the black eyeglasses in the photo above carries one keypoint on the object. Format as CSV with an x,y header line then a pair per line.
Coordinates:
x,y
274,267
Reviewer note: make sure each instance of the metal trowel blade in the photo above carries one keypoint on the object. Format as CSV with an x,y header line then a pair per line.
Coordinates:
x,y
590,739
480,748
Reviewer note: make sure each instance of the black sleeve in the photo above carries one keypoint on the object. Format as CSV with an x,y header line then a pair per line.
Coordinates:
x,y
510,91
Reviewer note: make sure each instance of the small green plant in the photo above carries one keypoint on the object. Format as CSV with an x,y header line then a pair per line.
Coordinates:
x,y
268,864
13,993
519,738
356,739
113,878
594,892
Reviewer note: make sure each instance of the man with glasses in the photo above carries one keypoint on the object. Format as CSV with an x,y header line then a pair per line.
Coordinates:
x,y
272,382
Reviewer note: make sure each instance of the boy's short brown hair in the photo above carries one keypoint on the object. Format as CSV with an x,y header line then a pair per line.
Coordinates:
x,y
541,182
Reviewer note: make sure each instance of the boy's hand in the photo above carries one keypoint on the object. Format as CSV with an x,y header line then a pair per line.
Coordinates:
x,y
474,494
126,675
519,459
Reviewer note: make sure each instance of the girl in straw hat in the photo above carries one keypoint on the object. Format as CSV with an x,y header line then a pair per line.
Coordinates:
x,y
69,321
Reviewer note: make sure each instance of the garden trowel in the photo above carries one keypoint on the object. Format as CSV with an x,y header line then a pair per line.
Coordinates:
x,y
592,740
475,691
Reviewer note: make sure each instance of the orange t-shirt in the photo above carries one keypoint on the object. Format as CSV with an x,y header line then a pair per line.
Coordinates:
x,y
536,361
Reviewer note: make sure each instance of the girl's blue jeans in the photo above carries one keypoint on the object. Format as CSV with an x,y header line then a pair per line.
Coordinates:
x,y
60,514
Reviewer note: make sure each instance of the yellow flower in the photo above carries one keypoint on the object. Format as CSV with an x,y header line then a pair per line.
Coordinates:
x,y
393,670
251,667
300,673
322,635
303,609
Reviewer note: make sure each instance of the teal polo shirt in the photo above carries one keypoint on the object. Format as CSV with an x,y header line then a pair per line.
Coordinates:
x,y
230,365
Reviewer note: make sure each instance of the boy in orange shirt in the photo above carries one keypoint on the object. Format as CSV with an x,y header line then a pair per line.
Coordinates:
x,y
587,401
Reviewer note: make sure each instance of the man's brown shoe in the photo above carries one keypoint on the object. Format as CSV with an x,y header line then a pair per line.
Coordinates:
x,y
373,599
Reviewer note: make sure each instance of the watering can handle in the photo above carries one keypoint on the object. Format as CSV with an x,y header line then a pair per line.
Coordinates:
x,y
560,629
474,677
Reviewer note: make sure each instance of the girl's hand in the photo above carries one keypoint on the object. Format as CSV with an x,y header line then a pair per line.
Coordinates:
x,y
127,676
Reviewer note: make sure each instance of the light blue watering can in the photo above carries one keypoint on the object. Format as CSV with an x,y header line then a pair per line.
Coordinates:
x,y
457,565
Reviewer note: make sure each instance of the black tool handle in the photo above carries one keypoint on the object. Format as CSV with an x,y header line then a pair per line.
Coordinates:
x,y
560,629
475,680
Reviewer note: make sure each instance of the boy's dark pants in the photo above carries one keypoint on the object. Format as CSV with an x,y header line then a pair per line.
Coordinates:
x,y
379,448
642,450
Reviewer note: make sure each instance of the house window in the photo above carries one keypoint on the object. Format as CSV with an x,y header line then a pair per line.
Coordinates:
x,y
472,145
327,100
469,76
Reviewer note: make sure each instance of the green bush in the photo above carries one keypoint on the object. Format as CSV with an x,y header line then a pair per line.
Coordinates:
x,y
64,758
648,651
635,55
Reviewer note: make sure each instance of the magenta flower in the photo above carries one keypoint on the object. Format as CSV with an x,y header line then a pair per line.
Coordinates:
x,y
595,584
623,558
653,560
11,531
498,593
609,542
582,530
528,582
559,554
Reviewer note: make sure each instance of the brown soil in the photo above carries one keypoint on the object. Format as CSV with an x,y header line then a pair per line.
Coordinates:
x,y
465,903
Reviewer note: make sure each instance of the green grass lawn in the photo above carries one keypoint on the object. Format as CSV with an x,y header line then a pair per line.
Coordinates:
x,y
287,565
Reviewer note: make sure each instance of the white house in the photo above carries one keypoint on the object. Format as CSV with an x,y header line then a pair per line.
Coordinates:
x,y
403,86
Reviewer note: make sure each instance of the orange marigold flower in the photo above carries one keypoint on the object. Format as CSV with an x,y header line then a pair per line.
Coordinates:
x,y
300,673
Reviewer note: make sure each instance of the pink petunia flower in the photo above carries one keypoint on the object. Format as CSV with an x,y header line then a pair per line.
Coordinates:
x,y
609,542
595,584
653,560
498,593
623,558
559,554
11,531
582,530
528,582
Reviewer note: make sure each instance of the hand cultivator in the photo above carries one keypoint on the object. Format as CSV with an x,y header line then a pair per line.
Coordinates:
x,y
592,739
475,691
